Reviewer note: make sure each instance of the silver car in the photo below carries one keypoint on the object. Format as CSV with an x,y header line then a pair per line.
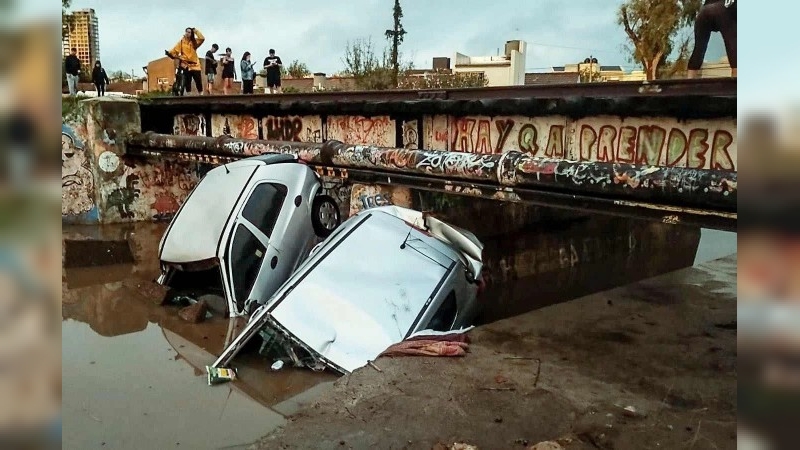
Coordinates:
x,y
383,275
245,228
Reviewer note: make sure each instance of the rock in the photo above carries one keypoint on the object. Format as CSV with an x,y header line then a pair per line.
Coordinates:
x,y
546,445
194,313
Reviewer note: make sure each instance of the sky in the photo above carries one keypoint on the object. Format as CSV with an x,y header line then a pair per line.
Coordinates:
x,y
316,32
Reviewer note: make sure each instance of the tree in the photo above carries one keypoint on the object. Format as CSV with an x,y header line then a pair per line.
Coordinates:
x,y
298,70
369,71
118,75
444,80
653,28
66,18
396,35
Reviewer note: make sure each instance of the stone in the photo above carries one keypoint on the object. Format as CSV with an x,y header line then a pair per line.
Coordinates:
x,y
546,445
194,313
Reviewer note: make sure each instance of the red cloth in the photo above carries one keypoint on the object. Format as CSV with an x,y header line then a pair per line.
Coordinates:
x,y
427,347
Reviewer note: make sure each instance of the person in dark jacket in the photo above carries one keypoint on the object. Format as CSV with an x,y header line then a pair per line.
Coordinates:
x,y
72,66
100,79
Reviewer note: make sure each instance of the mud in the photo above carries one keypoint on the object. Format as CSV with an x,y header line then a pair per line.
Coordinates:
x,y
563,372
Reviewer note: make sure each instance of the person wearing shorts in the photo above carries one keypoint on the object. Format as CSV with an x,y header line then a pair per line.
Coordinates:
x,y
715,15
228,71
273,64
211,67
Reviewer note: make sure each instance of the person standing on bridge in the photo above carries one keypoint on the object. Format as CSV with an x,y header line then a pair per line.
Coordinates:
x,y
100,78
273,64
186,51
228,71
715,15
211,68
248,74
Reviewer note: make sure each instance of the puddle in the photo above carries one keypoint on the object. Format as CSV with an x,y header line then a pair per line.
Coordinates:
x,y
134,373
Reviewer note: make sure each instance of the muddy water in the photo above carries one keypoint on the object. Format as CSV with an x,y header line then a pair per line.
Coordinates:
x,y
134,375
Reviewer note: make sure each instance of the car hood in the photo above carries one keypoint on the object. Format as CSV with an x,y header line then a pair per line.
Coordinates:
x,y
195,231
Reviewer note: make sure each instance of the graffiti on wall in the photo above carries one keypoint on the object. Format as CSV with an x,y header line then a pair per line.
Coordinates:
x,y
292,128
410,134
190,125
77,179
235,126
697,144
694,145
370,196
149,191
487,135
379,130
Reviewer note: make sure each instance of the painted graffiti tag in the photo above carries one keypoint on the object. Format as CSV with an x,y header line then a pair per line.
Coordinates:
x,y
77,180
456,162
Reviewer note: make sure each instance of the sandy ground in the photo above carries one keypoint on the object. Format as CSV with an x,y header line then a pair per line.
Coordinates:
x,y
665,347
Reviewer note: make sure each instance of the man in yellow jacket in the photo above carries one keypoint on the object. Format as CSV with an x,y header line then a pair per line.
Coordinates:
x,y
186,51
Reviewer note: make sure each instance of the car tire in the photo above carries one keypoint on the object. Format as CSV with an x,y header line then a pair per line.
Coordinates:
x,y
325,216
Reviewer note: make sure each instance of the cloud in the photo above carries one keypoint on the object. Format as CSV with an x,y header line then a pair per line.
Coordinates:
x,y
316,31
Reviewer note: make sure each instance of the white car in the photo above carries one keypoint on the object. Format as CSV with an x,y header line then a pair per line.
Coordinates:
x,y
385,274
245,228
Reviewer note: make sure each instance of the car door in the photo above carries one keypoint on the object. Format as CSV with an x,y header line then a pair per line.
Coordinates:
x,y
251,258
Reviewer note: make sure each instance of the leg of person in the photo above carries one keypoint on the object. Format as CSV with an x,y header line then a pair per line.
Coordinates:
x,y
97,88
187,82
728,30
198,81
702,34
103,89
72,84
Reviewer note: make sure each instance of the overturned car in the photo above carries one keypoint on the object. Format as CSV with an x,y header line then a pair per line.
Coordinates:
x,y
383,275
245,228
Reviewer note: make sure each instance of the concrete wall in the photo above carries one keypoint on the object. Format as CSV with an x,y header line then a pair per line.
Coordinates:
x,y
100,184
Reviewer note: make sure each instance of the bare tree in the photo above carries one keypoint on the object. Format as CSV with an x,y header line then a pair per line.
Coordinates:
x,y
369,70
653,28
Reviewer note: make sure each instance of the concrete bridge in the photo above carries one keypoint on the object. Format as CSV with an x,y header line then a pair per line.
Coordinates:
x,y
663,151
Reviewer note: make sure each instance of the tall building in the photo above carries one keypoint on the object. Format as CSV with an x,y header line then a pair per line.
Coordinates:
x,y
80,32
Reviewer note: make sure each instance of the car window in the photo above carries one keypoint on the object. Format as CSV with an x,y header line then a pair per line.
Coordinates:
x,y
445,315
247,253
264,206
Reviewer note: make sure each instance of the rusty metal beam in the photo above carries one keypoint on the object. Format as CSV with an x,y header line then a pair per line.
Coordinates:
x,y
665,189
725,87
683,99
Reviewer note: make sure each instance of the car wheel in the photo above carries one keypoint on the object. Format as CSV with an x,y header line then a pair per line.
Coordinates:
x,y
325,215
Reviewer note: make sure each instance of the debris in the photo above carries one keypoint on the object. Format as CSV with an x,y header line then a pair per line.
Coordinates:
x,y
372,364
521,441
461,446
546,445
220,375
631,411
427,348
194,313
277,365
498,389
498,420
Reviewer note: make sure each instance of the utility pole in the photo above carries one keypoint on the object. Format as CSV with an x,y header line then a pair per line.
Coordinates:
x,y
396,35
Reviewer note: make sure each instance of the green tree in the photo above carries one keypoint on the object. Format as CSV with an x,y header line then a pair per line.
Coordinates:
x,y
444,80
654,28
66,18
298,70
396,35
369,70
